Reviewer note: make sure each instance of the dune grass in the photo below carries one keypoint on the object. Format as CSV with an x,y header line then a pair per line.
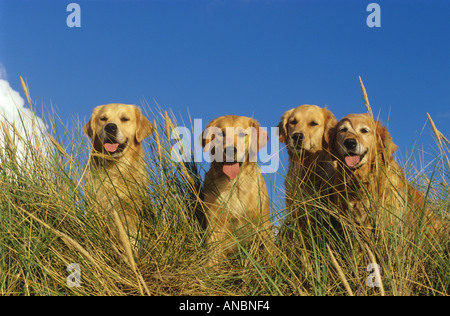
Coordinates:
x,y
47,223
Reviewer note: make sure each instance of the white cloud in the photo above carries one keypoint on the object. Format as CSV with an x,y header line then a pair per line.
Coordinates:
x,y
27,131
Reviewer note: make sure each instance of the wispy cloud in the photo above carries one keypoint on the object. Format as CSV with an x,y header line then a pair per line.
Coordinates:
x,y
445,115
3,73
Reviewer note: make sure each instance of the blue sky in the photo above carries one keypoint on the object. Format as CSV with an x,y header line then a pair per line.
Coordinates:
x,y
243,57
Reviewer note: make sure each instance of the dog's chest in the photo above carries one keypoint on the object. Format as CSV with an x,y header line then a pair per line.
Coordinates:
x,y
238,198
115,182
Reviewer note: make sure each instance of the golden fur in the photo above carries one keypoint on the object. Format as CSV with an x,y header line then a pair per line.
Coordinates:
x,y
368,179
117,171
305,131
237,203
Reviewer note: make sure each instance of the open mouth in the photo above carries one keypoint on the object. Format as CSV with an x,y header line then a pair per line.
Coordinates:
x,y
113,147
231,169
295,145
353,160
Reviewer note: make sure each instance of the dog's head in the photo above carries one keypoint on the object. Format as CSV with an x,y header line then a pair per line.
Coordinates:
x,y
358,140
306,128
115,128
233,141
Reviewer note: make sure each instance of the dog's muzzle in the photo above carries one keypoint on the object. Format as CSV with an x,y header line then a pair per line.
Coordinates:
x,y
297,139
352,158
230,166
110,143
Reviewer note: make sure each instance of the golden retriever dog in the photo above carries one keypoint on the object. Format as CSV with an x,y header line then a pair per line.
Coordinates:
x,y
234,192
305,130
117,170
370,185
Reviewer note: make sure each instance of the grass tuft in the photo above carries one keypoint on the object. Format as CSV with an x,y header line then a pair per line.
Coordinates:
x,y
47,223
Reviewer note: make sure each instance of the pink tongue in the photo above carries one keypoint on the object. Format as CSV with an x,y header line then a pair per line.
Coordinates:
x,y
111,147
231,170
352,161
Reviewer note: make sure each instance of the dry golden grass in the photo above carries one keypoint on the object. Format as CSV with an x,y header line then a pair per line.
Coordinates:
x,y
46,224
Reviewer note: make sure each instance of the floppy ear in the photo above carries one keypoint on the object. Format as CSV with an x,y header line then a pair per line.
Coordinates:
x,y
90,126
282,126
144,127
208,134
331,135
330,124
386,146
88,129
261,139
205,137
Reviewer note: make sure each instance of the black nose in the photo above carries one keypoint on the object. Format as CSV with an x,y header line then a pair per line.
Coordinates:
x,y
111,128
350,143
298,138
230,153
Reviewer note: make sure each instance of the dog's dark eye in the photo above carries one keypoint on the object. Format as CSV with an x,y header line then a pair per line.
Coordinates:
x,y
293,122
124,119
242,134
343,129
364,130
313,123
103,118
